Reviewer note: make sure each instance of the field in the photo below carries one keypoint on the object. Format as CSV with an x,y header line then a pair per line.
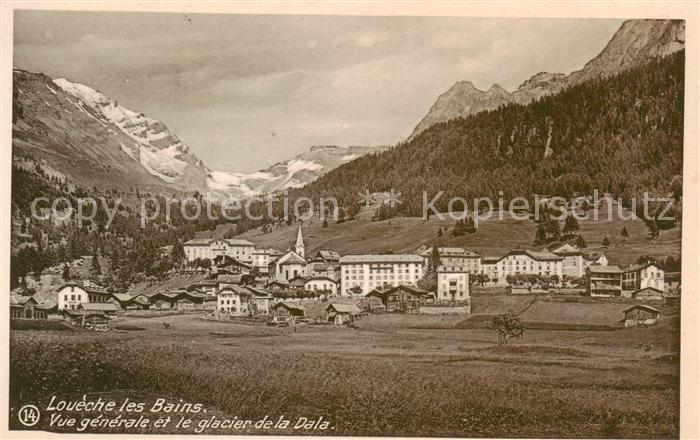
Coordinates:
x,y
390,376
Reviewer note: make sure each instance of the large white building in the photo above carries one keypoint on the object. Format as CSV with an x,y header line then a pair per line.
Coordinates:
x,y
202,248
368,272
456,257
644,276
523,262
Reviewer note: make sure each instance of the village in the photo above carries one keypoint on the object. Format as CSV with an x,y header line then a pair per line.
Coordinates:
x,y
246,283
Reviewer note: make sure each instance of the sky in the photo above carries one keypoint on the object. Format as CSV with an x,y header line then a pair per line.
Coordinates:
x,y
246,91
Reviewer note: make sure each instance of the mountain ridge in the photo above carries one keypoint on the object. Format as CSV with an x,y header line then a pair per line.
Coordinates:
x,y
633,43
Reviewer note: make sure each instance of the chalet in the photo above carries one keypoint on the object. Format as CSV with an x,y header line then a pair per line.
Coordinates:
x,y
140,301
640,315
70,296
454,257
234,300
230,265
163,300
297,282
121,300
322,284
402,298
260,301
98,295
190,301
604,281
595,259
452,283
288,310
227,281
340,314
206,286
26,307
326,257
106,308
648,294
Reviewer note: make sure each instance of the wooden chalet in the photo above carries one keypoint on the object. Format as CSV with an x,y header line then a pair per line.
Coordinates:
x,y
288,310
27,307
407,299
640,315
340,314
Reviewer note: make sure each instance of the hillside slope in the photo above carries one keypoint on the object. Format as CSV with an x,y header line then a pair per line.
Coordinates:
x,y
622,135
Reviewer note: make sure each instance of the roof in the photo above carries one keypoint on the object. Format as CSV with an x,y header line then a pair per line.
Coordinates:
x,y
99,307
229,279
604,286
642,306
604,269
208,241
382,258
490,260
121,296
277,282
239,290
321,278
638,267
344,308
294,258
290,306
410,289
21,299
449,252
328,255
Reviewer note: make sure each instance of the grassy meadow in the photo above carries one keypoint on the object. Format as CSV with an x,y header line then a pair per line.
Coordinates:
x,y
392,375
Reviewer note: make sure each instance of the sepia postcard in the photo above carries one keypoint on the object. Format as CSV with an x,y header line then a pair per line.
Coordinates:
x,y
365,219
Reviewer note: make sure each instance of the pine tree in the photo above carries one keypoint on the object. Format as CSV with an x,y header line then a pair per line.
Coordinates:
x,y
606,242
580,242
95,268
439,231
624,232
325,222
66,273
177,254
540,235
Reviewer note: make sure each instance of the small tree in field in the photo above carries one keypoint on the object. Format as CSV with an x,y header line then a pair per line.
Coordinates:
x,y
508,326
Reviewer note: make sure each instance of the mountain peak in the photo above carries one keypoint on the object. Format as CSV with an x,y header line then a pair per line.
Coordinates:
x,y
635,42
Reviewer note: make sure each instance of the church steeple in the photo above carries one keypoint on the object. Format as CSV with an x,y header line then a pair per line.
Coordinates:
x,y
299,246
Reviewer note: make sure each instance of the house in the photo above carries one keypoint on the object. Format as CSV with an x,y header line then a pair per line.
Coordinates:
x,y
227,281
121,300
26,307
452,283
361,274
234,300
595,259
70,296
206,286
97,295
489,267
340,314
288,310
640,315
641,276
262,258
454,257
190,301
648,294
277,285
163,300
402,298
230,265
260,301
139,302
573,263
241,250
604,281
297,282
323,284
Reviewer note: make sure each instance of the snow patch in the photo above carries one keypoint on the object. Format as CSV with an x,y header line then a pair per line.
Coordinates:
x,y
349,157
51,90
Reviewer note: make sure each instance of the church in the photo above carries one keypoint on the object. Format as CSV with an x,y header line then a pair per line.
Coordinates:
x,y
290,265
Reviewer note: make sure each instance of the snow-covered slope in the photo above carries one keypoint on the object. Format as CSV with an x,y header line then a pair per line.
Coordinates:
x,y
158,150
302,169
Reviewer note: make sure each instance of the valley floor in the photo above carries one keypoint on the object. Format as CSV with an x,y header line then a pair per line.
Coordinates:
x,y
385,377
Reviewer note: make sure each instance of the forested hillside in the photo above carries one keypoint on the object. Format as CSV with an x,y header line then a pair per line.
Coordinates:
x,y
622,135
